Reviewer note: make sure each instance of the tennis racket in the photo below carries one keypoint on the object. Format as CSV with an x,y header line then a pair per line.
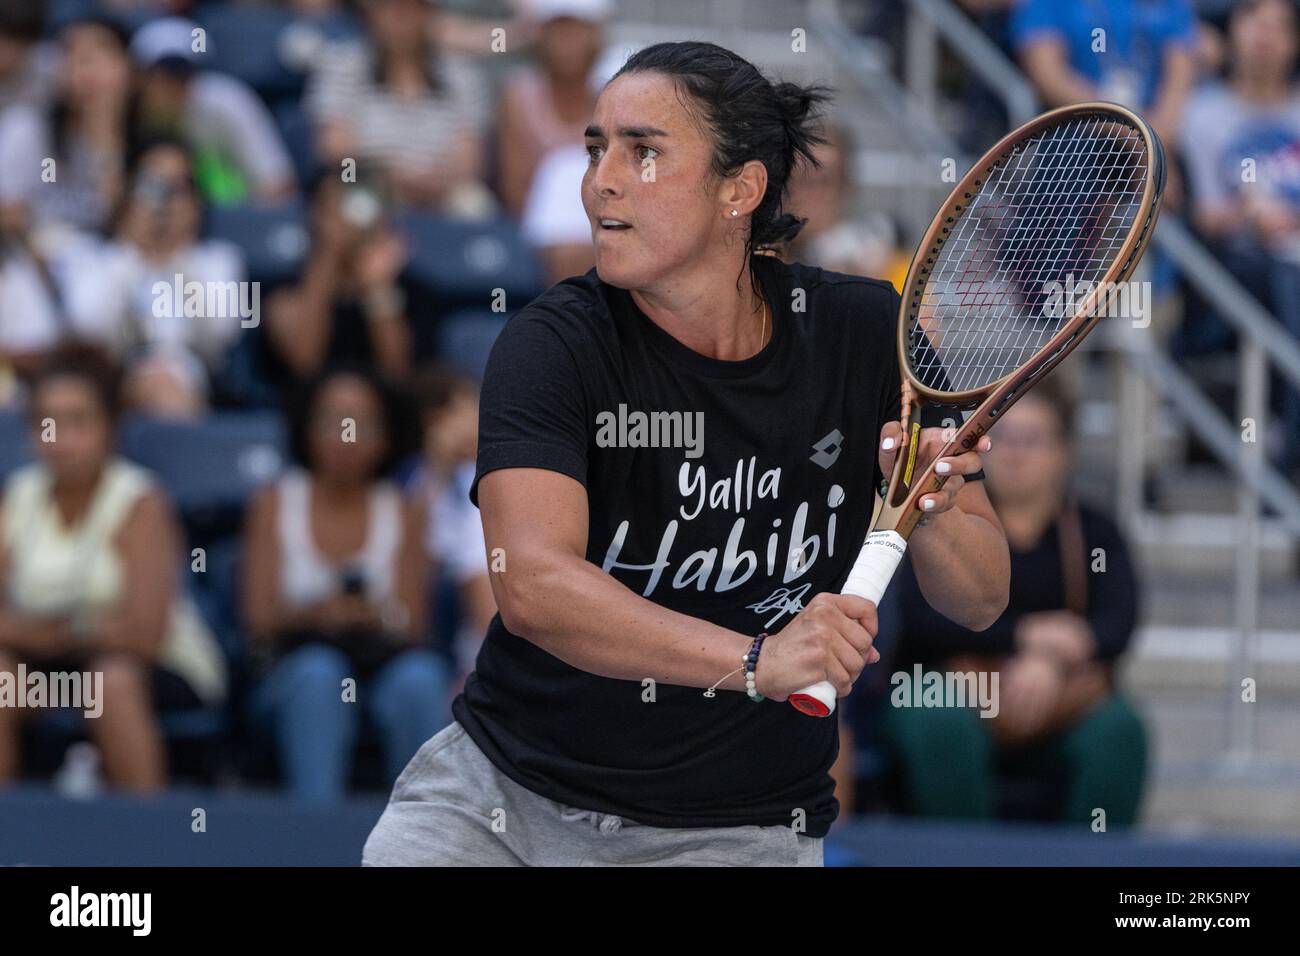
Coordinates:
x,y
987,308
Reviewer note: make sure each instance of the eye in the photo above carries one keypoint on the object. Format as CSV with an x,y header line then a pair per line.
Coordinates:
x,y
649,149
593,154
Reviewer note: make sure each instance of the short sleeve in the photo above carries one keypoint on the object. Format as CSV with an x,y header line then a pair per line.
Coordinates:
x,y
23,145
1183,30
1035,19
532,409
246,129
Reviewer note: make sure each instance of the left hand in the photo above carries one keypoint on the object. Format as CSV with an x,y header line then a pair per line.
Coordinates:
x,y
1030,687
932,440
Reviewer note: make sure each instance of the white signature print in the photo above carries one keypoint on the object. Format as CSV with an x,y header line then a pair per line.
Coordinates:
x,y
783,601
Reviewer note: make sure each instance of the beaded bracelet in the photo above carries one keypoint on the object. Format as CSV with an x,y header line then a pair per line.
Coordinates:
x,y
747,664
751,663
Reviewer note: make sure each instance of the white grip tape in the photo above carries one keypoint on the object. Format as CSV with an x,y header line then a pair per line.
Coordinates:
x,y
876,564
871,574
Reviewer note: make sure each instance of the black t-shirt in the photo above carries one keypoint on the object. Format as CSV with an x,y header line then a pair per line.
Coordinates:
x,y
742,532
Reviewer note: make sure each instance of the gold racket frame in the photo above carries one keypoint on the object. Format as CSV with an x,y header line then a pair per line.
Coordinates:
x,y
900,511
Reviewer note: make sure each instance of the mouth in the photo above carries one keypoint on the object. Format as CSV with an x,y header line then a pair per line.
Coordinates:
x,y
614,225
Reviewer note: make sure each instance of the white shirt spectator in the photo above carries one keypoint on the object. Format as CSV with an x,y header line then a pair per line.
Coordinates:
x,y
553,213
116,297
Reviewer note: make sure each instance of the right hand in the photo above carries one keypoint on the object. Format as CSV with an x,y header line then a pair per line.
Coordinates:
x,y
829,640
344,612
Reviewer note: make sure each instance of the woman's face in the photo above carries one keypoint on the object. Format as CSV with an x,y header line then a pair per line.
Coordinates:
x,y
95,67
1264,39
649,167
398,26
569,46
347,437
451,434
1030,456
73,434
163,195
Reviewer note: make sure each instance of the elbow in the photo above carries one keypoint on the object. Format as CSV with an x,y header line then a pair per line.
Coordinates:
x,y
517,592
988,602
985,613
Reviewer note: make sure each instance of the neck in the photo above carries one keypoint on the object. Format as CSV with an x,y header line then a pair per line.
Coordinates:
x,y
729,329
339,489
1261,89
73,494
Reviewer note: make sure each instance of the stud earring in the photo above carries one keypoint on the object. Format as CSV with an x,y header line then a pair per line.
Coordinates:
x,y
734,213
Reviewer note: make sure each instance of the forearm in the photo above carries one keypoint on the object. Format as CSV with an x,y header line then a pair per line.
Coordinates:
x,y
23,634
573,610
1171,97
963,567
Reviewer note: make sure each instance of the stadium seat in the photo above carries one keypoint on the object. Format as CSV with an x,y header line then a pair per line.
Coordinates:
x,y
464,262
465,338
269,48
299,137
212,464
274,239
15,445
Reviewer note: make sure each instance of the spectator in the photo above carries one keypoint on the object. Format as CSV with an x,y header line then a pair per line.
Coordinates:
x,y
549,104
334,576
64,165
1140,53
27,72
832,238
88,557
351,304
395,101
454,537
554,218
1054,648
1241,139
125,295
238,153
555,222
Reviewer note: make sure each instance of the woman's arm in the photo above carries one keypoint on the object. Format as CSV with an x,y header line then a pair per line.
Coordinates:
x,y
551,595
148,546
412,577
515,158
263,613
960,556
1048,65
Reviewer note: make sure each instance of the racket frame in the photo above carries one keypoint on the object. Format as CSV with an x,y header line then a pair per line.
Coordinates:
x,y
896,507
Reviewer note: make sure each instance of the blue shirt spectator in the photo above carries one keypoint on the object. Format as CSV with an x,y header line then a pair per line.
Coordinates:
x,y
1115,45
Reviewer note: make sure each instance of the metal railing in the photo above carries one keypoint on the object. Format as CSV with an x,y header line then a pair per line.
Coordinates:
x,y
1263,340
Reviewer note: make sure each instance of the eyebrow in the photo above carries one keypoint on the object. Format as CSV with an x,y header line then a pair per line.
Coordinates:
x,y
628,132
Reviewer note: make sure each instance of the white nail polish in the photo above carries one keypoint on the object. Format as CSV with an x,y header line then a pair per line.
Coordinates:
x,y
928,504
943,468
887,444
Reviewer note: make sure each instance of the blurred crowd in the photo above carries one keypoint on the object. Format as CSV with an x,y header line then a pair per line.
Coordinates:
x,y
131,130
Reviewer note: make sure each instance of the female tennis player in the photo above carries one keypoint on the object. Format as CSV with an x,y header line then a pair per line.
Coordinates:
x,y
677,462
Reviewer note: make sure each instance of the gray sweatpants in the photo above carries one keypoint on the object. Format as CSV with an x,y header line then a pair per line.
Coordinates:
x,y
452,807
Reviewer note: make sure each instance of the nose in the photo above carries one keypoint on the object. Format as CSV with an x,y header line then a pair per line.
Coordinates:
x,y
600,177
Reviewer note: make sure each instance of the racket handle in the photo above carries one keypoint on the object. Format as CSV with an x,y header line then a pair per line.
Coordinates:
x,y
871,574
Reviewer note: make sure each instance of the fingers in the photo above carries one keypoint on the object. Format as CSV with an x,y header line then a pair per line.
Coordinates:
x,y
891,438
953,468
853,620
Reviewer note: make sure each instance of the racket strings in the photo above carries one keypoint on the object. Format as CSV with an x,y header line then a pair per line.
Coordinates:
x,y
1053,216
